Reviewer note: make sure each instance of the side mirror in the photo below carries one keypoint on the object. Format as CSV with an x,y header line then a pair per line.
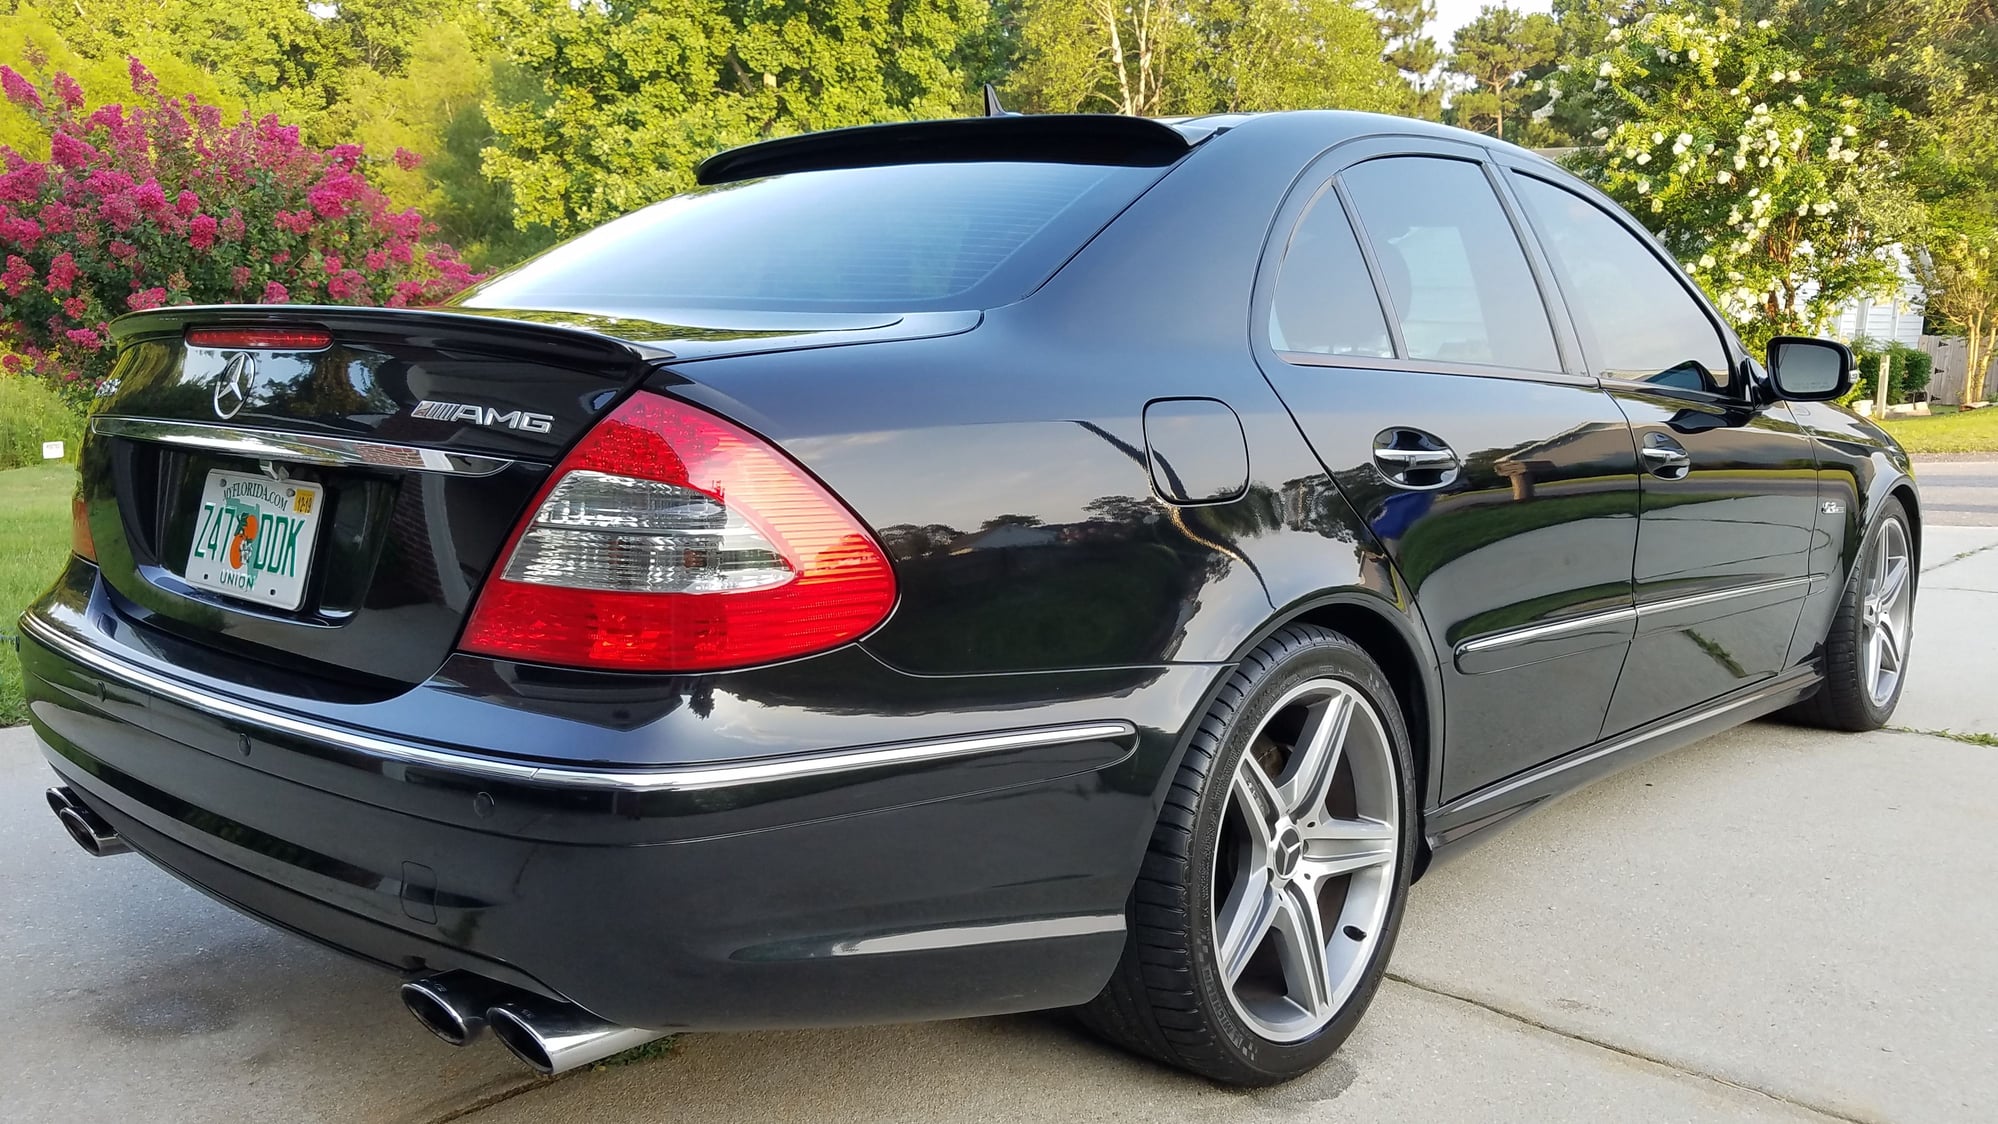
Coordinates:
x,y
1804,369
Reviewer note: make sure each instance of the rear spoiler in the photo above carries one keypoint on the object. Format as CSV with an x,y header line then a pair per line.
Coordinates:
x,y
1076,138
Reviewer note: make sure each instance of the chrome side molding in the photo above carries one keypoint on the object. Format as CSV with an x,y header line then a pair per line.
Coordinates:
x,y
676,778
1625,613
296,448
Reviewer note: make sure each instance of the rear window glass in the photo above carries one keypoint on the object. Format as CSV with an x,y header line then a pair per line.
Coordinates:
x,y
902,238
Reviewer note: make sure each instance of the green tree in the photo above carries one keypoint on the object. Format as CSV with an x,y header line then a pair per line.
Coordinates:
x,y
1494,52
433,108
1172,57
621,98
1958,266
1755,159
1412,51
1571,111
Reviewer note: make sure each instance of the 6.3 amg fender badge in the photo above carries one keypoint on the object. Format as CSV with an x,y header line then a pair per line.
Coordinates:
x,y
483,415
232,386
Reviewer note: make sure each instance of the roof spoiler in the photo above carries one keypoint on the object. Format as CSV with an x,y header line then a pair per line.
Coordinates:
x,y
1075,138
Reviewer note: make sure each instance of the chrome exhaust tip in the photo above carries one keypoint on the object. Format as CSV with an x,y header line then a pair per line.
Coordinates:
x,y
85,826
452,1005
554,1037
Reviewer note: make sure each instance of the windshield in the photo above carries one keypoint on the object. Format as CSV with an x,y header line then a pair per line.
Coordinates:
x,y
906,238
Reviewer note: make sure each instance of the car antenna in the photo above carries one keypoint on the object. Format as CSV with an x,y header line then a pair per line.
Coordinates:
x,y
992,106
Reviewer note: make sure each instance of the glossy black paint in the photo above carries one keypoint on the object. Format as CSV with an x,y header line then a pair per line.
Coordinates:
x,y
1097,499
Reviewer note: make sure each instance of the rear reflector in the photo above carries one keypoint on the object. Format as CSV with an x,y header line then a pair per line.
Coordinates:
x,y
671,540
80,542
260,339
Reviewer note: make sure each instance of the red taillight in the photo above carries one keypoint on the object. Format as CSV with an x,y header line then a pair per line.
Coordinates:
x,y
671,540
260,339
80,542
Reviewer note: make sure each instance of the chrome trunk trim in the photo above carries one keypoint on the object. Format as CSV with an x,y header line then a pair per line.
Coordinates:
x,y
296,448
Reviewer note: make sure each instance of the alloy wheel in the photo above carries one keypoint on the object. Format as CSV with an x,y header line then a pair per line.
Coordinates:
x,y
1885,612
1304,872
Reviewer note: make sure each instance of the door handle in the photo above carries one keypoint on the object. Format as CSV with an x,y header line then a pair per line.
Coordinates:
x,y
1665,458
1410,458
1417,458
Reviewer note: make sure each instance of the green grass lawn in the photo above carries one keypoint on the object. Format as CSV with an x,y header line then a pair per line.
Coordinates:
x,y
34,539
1961,431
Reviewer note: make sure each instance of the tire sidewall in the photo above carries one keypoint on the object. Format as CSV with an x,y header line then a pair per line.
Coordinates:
x,y
1326,656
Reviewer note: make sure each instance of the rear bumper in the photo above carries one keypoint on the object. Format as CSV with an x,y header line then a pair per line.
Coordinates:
x,y
911,885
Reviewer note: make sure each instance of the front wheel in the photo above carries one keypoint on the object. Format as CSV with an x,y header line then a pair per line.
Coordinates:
x,y
1866,651
1262,920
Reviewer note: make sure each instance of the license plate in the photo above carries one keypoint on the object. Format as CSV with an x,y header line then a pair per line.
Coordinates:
x,y
253,538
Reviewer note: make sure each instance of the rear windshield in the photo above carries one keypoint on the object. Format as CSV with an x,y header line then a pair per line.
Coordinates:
x,y
904,238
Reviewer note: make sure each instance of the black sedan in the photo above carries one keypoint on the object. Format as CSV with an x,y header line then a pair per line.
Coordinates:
x,y
954,568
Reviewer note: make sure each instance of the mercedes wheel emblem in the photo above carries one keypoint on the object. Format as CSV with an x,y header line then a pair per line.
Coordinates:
x,y
232,388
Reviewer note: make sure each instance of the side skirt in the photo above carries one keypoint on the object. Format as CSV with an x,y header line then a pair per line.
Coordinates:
x,y
1472,817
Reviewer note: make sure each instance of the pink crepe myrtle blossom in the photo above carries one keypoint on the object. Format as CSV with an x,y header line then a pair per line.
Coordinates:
x,y
167,200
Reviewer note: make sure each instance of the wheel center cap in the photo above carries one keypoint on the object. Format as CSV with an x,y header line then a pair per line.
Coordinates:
x,y
1287,852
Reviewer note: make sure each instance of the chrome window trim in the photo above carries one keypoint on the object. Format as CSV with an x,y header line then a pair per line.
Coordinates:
x,y
1628,612
677,778
297,448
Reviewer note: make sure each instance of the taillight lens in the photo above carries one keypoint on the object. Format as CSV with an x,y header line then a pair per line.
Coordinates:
x,y
80,542
671,540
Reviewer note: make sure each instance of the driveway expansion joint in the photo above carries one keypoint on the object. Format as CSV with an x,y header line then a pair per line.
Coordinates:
x,y
481,1103
1632,1054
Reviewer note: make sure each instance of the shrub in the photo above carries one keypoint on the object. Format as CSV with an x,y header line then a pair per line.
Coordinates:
x,y
1913,368
161,202
31,412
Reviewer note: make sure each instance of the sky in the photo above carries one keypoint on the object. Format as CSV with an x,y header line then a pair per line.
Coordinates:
x,y
1453,14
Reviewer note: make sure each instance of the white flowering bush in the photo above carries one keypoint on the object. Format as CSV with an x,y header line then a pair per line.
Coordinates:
x,y
1770,182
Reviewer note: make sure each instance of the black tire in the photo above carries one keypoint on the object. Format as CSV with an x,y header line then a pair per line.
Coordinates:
x,y
1164,1000
1845,700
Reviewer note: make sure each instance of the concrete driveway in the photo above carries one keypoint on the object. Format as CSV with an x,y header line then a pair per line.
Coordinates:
x,y
1776,924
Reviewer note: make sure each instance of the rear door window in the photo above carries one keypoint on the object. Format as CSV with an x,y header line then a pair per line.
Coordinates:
x,y
1324,301
1637,319
1454,270
907,238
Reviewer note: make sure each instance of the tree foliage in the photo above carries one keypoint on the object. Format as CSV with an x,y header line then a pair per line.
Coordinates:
x,y
1495,52
623,97
1178,57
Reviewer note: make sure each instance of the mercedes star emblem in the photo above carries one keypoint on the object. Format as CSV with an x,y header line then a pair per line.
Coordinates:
x,y
232,388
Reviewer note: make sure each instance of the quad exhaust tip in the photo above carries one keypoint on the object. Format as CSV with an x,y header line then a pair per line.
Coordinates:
x,y
550,1036
554,1037
453,1005
85,826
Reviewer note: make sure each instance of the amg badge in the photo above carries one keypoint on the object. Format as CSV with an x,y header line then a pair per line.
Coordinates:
x,y
483,415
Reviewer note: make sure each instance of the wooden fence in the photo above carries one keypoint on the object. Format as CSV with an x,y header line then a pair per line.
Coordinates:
x,y
1950,354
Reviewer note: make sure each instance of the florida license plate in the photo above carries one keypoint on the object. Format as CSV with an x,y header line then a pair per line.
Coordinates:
x,y
253,538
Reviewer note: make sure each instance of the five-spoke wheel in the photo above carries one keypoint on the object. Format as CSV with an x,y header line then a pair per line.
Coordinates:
x,y
1865,655
1261,923
1305,870
1885,611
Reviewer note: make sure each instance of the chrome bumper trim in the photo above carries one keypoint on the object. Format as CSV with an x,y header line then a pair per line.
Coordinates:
x,y
677,778
296,448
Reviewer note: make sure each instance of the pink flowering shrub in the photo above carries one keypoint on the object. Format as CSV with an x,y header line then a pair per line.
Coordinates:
x,y
161,202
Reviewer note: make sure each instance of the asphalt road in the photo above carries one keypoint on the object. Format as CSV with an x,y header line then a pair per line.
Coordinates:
x,y
1958,492
1775,924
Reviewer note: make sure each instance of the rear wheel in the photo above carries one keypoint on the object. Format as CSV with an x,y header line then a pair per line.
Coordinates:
x,y
1269,900
1866,651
